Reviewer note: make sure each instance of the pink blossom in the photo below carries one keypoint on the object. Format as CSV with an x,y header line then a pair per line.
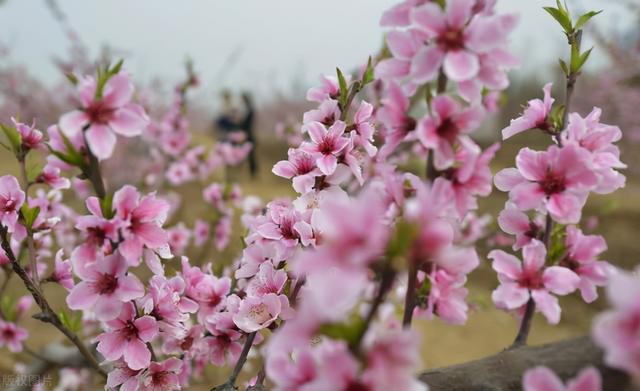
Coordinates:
x,y
267,280
327,114
102,117
329,89
178,238
222,233
178,173
515,222
448,123
166,302
301,167
98,232
123,376
543,379
12,336
31,137
616,330
364,128
287,225
62,271
447,298
105,287
161,376
256,254
50,175
210,292
582,257
534,115
558,178
141,222
126,337
398,126
11,200
258,312
224,344
531,280
598,139
326,144
201,232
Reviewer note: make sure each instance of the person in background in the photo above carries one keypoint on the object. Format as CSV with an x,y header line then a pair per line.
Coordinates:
x,y
247,127
227,121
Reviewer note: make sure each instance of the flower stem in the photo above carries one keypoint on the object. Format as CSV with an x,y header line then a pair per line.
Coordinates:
x,y
231,382
410,296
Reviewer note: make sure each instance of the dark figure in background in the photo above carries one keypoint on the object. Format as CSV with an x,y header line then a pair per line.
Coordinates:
x,y
227,120
247,126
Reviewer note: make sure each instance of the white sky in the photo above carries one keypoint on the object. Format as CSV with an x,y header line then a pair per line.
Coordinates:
x,y
279,41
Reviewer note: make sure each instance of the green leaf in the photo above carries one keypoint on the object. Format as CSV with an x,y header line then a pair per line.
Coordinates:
x,y
583,58
562,18
29,215
116,68
71,321
575,58
344,89
8,308
71,77
106,205
13,136
564,67
401,239
585,18
368,73
349,332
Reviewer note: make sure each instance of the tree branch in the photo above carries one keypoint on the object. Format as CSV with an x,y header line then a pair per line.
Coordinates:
x,y
503,371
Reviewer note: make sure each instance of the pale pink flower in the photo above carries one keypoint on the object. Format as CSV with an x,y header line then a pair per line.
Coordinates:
x,y
534,115
267,280
616,330
161,376
288,374
201,232
11,200
98,232
398,126
178,173
286,224
520,282
123,376
62,271
257,312
257,253
448,123
105,287
222,233
50,175
364,128
31,137
515,222
126,337
12,336
301,167
178,238
326,144
582,257
224,344
329,89
101,118
543,379
559,179
447,298
327,113
142,219
210,293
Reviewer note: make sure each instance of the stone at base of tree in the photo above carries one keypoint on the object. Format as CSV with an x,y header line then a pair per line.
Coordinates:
x,y
503,371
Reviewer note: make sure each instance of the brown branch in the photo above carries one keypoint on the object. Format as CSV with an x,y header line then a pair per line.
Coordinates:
x,y
47,315
503,371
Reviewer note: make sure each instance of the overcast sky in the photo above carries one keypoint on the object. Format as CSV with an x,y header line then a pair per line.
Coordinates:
x,y
276,42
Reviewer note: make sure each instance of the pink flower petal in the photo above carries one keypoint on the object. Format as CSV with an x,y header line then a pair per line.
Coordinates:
x,y
560,280
425,64
506,264
101,140
510,296
541,379
547,304
82,296
137,355
461,65
72,122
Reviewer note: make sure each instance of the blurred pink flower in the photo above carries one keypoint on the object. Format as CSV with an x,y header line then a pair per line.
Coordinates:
x,y
12,336
11,200
543,379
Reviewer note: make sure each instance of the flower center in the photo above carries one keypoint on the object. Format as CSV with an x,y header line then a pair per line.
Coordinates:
x,y
531,280
130,331
327,145
355,385
107,284
99,113
552,184
8,334
448,130
533,231
7,204
452,39
259,313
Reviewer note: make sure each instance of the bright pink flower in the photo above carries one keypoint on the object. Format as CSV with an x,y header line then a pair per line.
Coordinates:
x,y
288,374
399,15
126,337
364,128
285,224
598,139
616,330
11,200
329,89
256,254
300,166
167,304
447,298
447,124
515,222
257,312
327,113
105,287
543,379
123,376
224,344
326,144
161,376
62,271
534,116
105,116
559,179
531,279
12,336
582,257
142,219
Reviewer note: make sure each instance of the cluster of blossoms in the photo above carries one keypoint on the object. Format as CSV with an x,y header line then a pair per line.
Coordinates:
x,y
555,183
321,278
